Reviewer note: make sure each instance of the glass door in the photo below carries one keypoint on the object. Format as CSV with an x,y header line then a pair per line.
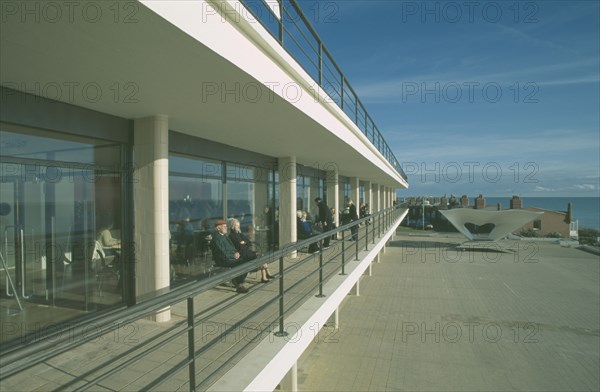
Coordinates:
x,y
48,235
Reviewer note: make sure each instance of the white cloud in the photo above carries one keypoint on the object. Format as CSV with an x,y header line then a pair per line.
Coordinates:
x,y
586,187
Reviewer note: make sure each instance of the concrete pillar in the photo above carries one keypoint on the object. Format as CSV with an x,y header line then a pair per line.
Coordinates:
x,y
369,196
333,193
381,197
151,206
377,258
355,193
369,271
336,318
376,198
357,288
287,201
290,381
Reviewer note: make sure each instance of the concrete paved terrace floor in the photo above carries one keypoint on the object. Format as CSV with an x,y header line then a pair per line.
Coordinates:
x,y
435,319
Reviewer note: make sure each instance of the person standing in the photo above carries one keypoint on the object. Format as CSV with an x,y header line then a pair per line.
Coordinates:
x,y
325,218
353,217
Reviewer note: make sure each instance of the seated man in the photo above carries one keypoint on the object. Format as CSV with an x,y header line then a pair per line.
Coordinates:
x,y
225,254
304,231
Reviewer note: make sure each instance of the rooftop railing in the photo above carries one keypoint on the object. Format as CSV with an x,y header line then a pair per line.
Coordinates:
x,y
295,34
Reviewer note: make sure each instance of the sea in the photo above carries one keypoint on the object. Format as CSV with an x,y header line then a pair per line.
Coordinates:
x,y
586,210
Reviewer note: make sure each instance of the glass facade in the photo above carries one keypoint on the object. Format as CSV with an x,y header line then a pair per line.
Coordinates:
x,y
308,187
60,224
202,191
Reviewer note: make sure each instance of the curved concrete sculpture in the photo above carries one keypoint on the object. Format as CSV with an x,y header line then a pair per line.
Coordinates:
x,y
505,222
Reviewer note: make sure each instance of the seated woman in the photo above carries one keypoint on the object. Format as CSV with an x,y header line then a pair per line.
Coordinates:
x,y
243,245
305,230
333,226
106,238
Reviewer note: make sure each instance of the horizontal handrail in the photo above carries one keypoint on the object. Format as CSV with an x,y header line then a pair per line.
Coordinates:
x,y
51,345
322,53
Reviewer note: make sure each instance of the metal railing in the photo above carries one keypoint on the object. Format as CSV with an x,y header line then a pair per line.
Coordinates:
x,y
295,34
289,298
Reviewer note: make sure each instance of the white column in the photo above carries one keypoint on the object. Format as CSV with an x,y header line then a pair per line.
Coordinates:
x,y
290,380
151,206
376,202
287,201
387,196
355,193
369,196
333,193
336,318
381,198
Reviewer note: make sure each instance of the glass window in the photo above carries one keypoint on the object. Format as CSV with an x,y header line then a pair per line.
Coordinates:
x,y
195,203
61,223
248,202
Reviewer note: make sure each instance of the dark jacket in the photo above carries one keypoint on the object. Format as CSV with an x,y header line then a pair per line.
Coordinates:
x,y
245,250
353,214
223,250
325,215
303,229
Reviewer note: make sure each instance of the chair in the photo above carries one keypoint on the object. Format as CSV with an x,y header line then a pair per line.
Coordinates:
x,y
103,268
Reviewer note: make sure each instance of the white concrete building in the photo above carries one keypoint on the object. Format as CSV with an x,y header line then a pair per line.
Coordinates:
x,y
152,119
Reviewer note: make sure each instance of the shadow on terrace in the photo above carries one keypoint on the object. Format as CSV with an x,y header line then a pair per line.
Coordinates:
x,y
212,328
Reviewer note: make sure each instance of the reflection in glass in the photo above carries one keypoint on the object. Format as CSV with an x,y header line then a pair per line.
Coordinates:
x,y
195,203
58,190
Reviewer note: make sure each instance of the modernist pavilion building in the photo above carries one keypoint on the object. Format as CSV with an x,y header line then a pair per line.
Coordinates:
x,y
152,119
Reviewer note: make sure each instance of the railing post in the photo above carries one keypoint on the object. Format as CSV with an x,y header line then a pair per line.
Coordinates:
x,y
356,110
191,346
366,236
373,231
342,91
320,295
356,242
343,252
281,23
281,331
320,64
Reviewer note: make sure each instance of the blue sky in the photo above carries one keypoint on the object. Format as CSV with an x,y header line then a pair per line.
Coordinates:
x,y
491,97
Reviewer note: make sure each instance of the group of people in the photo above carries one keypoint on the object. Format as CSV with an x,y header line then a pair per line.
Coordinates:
x,y
230,247
325,219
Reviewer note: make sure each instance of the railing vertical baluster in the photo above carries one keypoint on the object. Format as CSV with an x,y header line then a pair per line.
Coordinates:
x,y
191,344
342,91
320,64
373,231
366,236
356,110
321,295
356,241
282,12
343,252
281,331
